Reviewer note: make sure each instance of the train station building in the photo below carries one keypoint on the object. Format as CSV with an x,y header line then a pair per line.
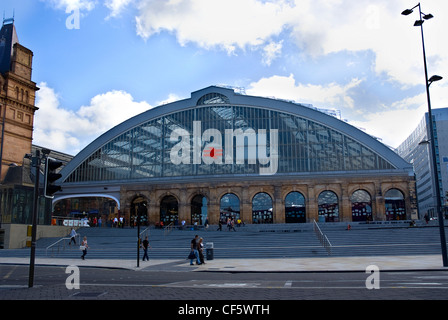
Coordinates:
x,y
223,154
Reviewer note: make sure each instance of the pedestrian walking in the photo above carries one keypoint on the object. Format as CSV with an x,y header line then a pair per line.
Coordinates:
x,y
72,237
145,245
230,224
84,247
194,254
200,251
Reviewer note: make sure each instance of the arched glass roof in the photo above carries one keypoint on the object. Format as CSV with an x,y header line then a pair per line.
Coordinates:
x,y
219,132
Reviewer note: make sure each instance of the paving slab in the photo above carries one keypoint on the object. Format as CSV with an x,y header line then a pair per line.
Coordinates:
x,y
322,264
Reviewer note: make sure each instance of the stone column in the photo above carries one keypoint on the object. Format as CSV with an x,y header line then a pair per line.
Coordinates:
x,y
346,207
279,205
312,206
245,205
184,208
153,208
213,207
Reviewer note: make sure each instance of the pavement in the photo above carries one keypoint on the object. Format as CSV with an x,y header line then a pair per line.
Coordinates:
x,y
320,264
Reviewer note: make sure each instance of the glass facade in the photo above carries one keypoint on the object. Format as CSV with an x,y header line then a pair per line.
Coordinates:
x,y
16,205
216,138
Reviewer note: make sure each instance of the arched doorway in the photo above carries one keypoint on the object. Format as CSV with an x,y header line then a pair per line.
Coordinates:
x,y
198,209
98,209
169,211
229,207
262,208
361,206
395,206
295,208
328,206
139,209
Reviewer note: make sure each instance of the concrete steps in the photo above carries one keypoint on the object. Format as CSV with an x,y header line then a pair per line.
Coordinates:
x,y
252,241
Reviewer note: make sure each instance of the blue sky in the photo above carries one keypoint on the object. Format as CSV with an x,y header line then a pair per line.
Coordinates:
x,y
99,62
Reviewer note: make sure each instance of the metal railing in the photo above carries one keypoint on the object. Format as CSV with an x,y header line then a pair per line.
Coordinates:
x,y
61,245
146,230
322,237
168,229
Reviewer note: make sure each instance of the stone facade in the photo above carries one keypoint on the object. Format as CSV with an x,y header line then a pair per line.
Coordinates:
x,y
310,188
17,99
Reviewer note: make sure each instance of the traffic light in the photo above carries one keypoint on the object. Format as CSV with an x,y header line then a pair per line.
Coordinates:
x,y
51,176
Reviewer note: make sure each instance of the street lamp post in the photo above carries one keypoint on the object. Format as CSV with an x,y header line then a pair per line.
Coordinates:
x,y
419,23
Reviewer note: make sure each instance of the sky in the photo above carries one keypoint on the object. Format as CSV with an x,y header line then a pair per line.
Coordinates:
x,y
100,62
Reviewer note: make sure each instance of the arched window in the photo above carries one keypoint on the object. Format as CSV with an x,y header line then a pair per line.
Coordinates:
x,y
139,208
229,207
395,206
328,206
169,212
361,206
295,208
198,209
213,98
262,208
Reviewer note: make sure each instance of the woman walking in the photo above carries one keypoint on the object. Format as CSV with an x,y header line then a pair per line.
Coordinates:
x,y
84,247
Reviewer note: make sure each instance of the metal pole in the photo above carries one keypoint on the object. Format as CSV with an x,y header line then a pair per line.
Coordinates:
x,y
36,163
434,159
138,238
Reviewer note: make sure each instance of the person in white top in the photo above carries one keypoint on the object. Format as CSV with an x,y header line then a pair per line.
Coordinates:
x,y
72,236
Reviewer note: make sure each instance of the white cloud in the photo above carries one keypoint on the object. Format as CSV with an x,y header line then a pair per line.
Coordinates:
x,y
230,25
72,4
70,131
392,123
116,6
395,122
318,27
272,51
331,95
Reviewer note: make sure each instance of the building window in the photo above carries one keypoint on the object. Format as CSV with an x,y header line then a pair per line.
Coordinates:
x,y
328,206
169,212
198,210
229,207
395,206
139,210
295,208
361,206
262,211
213,98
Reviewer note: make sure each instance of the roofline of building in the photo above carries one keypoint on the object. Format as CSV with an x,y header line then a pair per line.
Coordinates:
x,y
241,100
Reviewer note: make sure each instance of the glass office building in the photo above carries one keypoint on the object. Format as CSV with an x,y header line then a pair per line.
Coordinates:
x,y
417,150
221,154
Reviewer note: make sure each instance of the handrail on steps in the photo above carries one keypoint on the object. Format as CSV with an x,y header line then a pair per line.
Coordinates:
x,y
322,237
58,243
168,228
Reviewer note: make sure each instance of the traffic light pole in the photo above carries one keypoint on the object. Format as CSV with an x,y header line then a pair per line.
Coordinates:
x,y
36,160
